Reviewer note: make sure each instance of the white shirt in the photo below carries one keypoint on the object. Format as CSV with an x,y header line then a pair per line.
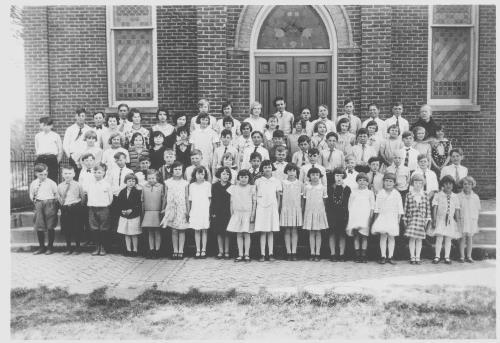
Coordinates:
x,y
213,123
279,173
403,124
72,140
330,125
99,194
99,133
357,151
430,180
382,128
336,159
258,124
46,190
245,164
86,178
412,160
285,121
117,179
108,156
452,171
355,122
402,176
48,143
219,153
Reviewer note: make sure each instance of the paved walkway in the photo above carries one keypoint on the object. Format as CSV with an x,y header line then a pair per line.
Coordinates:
x,y
127,277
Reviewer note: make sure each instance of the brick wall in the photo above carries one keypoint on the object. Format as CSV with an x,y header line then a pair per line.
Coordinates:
x,y
36,64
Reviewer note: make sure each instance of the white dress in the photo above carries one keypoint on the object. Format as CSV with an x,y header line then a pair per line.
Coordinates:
x,y
470,206
266,215
361,203
314,213
389,207
291,211
203,140
199,215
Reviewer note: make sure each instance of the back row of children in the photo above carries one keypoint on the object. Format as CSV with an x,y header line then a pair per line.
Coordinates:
x,y
203,152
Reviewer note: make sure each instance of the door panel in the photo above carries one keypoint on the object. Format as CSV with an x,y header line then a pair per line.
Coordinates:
x,y
301,81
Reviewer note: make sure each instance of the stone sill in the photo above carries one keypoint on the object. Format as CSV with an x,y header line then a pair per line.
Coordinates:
x,y
455,108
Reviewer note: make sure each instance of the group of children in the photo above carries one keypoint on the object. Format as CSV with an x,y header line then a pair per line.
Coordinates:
x,y
232,177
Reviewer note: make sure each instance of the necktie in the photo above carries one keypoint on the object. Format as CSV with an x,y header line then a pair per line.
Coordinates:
x,y
98,127
79,134
255,150
120,177
425,181
35,193
303,159
457,176
330,155
225,150
312,166
363,153
371,181
89,170
349,171
407,158
397,123
65,193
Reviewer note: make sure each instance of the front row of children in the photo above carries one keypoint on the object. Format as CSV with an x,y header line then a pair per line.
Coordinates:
x,y
265,207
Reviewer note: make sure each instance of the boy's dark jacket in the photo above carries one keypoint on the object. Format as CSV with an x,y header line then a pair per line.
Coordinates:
x,y
132,202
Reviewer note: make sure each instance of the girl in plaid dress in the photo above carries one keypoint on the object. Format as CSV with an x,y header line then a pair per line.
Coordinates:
x,y
417,217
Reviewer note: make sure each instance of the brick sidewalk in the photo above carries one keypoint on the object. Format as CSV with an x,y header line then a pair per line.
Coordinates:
x,y
128,277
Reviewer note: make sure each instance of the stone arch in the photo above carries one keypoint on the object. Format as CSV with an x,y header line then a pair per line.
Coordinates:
x,y
249,13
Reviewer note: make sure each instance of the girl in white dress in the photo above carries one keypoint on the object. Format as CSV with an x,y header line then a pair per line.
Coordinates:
x,y
268,190
470,206
200,193
315,220
204,139
176,209
291,210
446,212
388,214
361,206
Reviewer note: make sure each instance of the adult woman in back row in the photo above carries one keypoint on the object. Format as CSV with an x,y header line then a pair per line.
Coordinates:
x,y
427,122
227,112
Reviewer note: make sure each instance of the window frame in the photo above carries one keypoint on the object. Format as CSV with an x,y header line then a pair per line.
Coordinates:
x,y
470,103
110,28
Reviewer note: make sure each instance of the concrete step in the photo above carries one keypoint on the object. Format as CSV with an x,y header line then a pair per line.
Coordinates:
x,y
485,236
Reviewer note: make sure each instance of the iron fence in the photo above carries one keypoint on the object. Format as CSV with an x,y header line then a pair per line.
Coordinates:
x,y
21,175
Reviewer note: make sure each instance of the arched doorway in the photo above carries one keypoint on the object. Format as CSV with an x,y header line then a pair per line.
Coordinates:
x,y
293,55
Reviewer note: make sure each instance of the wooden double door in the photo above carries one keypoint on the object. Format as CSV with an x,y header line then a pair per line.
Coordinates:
x,y
301,80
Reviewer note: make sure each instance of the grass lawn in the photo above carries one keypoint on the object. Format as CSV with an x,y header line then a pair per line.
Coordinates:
x,y
436,313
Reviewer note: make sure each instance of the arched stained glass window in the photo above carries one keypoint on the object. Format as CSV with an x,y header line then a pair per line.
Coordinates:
x,y
293,27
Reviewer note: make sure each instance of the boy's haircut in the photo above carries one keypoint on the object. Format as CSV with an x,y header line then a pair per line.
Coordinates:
x,y
90,134
100,165
40,167
372,123
446,179
278,98
119,154
347,101
272,116
87,155
68,167
202,102
134,136
362,176
243,172
112,115
257,133
169,152
278,134
397,103
46,121
421,157
418,128
130,176
313,151
361,131
280,148
265,164
176,164
457,150
96,113
81,110
184,128
373,159
343,121
349,157
291,166
314,171
255,155
389,176
161,109
219,171
158,134
244,125
372,104
407,134
113,135
393,126
153,172
196,152
176,116
227,120
339,171
318,123
224,105
416,177
202,116
132,112
323,105
123,105
303,138
305,108
468,179
332,134
144,158
199,170
226,132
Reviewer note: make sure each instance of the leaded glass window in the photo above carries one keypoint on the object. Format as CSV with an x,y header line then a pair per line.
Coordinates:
x,y
132,35
293,27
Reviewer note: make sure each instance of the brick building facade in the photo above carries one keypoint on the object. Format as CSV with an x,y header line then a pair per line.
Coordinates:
x,y
377,54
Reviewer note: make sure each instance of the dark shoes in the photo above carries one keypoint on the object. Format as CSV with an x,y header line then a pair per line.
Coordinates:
x,y
382,260
391,261
39,251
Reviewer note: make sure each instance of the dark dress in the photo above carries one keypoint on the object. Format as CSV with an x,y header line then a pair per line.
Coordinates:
x,y
220,210
337,208
183,156
156,158
430,127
